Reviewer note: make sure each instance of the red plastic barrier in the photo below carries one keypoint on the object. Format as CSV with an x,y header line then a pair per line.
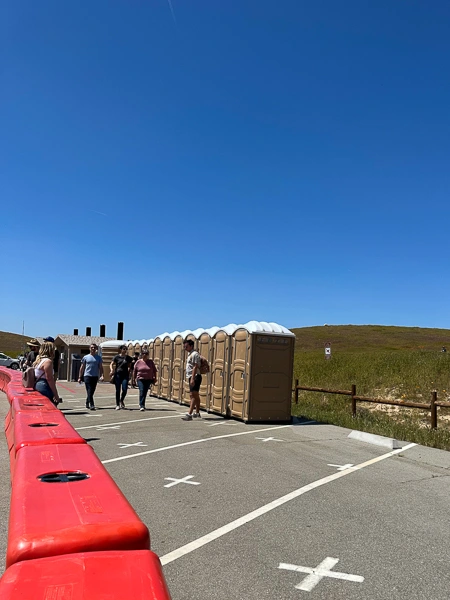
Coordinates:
x,y
39,428
87,576
31,402
64,501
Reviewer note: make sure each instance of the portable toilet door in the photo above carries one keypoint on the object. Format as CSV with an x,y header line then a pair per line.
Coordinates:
x,y
205,350
131,349
270,375
176,389
109,351
157,356
239,370
219,372
166,370
151,344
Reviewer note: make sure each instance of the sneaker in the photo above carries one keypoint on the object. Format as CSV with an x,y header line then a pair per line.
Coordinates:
x,y
92,407
117,408
142,408
197,415
187,417
122,405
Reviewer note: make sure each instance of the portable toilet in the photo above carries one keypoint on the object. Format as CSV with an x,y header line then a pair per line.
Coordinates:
x,y
157,359
221,347
150,344
205,348
260,372
177,367
109,350
166,367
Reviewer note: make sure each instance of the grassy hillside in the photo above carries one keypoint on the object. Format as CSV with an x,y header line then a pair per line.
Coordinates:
x,y
12,344
383,362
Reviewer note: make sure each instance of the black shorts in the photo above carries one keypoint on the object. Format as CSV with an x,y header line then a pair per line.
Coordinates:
x,y
197,384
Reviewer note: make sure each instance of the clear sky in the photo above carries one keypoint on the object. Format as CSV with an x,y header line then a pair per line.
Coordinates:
x,y
192,163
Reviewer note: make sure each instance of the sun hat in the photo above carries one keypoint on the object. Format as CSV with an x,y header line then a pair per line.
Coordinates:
x,y
33,342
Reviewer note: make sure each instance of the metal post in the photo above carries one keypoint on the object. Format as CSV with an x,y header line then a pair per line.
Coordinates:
x,y
296,391
433,410
353,400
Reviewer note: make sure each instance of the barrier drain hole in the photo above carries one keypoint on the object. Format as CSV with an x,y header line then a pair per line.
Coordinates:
x,y
63,476
43,425
31,404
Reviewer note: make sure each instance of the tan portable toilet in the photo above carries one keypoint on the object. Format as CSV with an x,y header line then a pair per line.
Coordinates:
x,y
151,344
261,367
166,367
130,348
205,349
157,359
220,368
108,351
176,387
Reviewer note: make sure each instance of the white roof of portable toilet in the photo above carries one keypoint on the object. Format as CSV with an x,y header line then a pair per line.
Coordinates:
x,y
113,344
162,335
198,332
263,327
229,329
212,331
142,342
174,334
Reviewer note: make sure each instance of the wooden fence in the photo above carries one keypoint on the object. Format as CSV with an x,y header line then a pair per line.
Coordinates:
x,y
431,407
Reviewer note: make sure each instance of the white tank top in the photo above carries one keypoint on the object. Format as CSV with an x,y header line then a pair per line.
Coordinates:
x,y
38,372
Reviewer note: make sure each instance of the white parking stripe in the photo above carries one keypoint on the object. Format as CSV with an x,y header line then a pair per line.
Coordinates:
x,y
131,421
217,533
216,437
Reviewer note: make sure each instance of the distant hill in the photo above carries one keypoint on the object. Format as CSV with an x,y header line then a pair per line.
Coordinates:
x,y
13,344
362,338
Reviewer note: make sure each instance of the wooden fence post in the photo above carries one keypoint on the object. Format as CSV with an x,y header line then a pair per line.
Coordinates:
x,y
353,400
296,391
433,410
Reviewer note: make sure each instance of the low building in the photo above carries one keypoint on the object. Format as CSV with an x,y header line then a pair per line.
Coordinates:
x,y
72,348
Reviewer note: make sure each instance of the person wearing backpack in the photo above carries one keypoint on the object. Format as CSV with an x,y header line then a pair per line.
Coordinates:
x,y
43,373
194,379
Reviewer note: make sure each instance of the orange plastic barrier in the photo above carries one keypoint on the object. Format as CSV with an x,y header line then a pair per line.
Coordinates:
x,y
87,576
39,428
63,501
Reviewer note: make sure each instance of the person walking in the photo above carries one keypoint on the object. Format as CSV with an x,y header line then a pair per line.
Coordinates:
x,y
91,372
43,373
135,359
144,373
120,374
194,380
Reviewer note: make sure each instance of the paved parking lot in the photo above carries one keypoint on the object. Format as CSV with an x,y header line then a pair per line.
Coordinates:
x,y
266,511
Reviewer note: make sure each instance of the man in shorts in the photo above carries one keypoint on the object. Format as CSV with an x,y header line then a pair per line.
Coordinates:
x,y
194,380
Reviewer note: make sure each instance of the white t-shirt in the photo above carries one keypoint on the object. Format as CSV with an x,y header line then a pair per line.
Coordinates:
x,y
192,359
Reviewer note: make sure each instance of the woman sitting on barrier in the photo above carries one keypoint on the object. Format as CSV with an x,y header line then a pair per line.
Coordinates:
x,y
145,374
43,372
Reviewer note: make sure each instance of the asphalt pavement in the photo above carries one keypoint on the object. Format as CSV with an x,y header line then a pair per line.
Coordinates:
x,y
266,511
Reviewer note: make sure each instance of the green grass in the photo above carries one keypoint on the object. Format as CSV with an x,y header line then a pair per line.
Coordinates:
x,y
13,344
383,362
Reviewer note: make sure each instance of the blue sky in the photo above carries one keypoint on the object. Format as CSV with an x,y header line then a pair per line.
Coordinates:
x,y
235,160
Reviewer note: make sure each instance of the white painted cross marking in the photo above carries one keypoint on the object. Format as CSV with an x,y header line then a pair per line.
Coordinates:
x,y
269,439
122,446
92,415
315,575
341,467
177,481
102,427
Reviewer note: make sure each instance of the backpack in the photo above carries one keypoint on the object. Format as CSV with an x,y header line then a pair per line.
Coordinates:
x,y
204,366
29,378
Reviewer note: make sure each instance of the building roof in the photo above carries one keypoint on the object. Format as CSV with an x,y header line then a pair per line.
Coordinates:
x,y
80,340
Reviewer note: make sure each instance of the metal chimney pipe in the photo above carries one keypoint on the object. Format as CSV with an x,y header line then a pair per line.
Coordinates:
x,y
88,331
102,330
120,330
75,332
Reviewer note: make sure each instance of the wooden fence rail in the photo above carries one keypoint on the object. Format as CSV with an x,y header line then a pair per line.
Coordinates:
x,y
432,406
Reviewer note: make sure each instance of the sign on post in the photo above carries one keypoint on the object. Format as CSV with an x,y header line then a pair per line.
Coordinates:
x,y
327,351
